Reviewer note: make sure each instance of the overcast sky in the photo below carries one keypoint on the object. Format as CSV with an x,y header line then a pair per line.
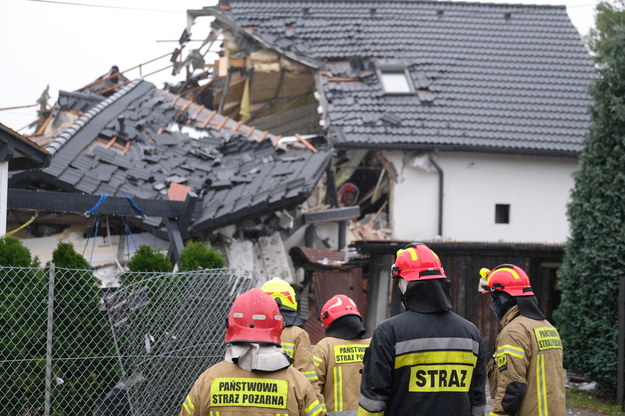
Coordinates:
x,y
67,44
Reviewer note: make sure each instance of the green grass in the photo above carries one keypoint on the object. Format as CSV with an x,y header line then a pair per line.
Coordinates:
x,y
578,399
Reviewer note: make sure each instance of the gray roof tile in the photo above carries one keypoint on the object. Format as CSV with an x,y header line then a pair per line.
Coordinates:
x,y
485,66
147,169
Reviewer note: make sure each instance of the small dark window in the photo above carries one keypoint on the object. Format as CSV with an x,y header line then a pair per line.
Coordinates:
x,y
502,213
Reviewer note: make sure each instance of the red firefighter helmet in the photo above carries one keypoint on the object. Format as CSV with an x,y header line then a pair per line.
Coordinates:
x,y
506,278
417,262
254,317
337,306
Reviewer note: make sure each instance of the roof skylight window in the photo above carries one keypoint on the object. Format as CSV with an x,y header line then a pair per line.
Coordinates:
x,y
395,79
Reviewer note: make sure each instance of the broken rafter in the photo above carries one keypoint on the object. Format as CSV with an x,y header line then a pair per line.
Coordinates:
x,y
111,142
306,143
99,81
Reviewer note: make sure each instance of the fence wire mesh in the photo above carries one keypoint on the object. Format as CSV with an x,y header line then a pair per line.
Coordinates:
x,y
68,348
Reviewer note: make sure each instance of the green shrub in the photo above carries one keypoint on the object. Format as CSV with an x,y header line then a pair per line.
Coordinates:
x,y
197,255
14,253
82,336
66,256
148,260
145,260
23,311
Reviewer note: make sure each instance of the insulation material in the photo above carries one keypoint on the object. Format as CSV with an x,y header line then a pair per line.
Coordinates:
x,y
264,61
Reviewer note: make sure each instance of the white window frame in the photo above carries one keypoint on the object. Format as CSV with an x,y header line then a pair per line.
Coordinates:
x,y
395,69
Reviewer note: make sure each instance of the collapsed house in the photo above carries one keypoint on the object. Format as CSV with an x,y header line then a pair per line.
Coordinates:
x,y
450,120
250,188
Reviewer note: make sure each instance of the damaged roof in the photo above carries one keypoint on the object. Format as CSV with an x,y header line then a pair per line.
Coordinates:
x,y
482,77
148,143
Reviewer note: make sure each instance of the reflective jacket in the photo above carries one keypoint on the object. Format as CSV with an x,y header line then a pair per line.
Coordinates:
x,y
424,364
226,389
296,344
338,363
526,376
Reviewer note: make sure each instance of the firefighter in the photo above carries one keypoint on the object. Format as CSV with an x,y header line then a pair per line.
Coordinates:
x,y
256,377
338,356
526,376
295,341
427,360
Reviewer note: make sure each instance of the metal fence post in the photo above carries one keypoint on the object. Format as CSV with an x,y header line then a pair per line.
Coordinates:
x,y
49,340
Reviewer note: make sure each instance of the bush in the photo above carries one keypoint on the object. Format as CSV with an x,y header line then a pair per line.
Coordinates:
x,y
197,255
23,311
81,330
13,253
148,260
145,260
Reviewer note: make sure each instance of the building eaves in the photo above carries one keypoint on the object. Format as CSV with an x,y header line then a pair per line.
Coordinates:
x,y
24,154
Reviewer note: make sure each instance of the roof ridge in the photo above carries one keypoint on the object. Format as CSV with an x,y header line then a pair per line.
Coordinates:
x,y
432,2
68,133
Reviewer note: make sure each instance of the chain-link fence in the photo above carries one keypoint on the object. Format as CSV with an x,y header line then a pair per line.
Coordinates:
x,y
69,348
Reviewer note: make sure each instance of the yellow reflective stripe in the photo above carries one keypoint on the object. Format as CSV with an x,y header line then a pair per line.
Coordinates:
x,y
314,409
288,348
337,373
541,384
510,350
435,357
364,412
317,361
310,375
188,404
212,413
282,414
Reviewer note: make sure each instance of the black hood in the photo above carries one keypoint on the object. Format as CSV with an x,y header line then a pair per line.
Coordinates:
x,y
291,318
528,306
428,296
347,327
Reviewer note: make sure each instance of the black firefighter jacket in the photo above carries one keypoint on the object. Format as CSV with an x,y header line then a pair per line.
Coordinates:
x,y
424,364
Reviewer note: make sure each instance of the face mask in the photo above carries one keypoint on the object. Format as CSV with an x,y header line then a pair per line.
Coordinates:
x,y
501,303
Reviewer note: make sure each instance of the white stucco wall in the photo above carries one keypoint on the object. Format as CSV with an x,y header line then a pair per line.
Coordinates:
x,y
536,188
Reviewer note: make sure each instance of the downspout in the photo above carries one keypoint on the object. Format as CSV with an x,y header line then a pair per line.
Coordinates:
x,y
440,191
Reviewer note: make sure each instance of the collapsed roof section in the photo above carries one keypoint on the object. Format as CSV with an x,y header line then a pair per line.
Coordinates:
x,y
427,74
151,144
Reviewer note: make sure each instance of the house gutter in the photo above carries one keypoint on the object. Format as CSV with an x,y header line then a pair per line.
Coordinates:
x,y
440,190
